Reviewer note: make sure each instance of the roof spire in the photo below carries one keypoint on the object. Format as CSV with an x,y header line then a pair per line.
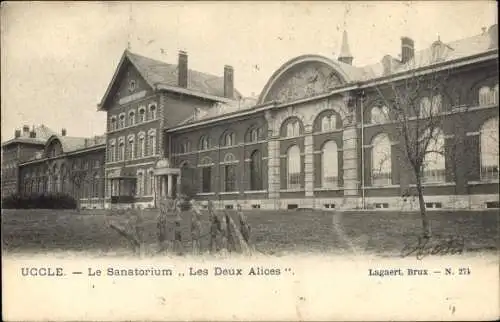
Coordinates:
x,y
345,53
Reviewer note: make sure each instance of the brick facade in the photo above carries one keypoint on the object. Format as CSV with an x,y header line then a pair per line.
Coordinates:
x,y
308,141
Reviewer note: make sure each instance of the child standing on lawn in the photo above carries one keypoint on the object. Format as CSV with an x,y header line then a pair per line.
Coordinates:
x,y
195,227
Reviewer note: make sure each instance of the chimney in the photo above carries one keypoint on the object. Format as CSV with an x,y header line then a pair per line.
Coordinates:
x,y
493,32
63,132
26,130
228,81
182,68
345,53
17,133
407,49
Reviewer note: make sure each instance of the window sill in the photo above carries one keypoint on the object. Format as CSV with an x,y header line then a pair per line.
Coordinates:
x,y
131,126
293,190
254,191
489,181
205,194
329,189
229,193
389,186
435,184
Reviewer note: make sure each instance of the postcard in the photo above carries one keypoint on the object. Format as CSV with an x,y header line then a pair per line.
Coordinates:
x,y
250,161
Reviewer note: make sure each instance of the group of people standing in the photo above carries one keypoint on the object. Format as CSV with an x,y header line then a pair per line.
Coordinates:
x,y
223,234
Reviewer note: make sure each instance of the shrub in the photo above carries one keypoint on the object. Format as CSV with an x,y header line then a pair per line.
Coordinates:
x,y
39,201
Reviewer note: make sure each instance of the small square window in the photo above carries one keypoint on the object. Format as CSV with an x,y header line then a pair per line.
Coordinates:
x,y
256,206
293,206
229,207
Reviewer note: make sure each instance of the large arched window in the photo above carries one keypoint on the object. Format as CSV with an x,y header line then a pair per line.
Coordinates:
x,y
328,123
430,107
228,139
229,172
256,171
484,96
488,96
254,134
381,160
293,128
293,167
379,114
329,165
434,160
489,149
204,143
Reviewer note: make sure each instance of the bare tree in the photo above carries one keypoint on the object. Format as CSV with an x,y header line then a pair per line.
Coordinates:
x,y
414,111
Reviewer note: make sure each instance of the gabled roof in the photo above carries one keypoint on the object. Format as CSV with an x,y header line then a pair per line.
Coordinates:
x,y
43,133
157,73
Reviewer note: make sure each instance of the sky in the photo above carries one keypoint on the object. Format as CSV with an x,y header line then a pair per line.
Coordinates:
x,y
57,58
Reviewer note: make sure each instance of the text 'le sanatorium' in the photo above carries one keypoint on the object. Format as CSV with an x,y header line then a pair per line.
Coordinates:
x,y
154,271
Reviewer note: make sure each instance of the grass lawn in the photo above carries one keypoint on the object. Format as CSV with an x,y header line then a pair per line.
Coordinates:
x,y
273,232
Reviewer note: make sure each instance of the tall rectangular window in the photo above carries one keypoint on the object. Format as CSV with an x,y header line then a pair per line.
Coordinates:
x,y
206,174
230,178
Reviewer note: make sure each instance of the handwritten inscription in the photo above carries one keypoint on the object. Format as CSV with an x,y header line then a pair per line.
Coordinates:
x,y
450,245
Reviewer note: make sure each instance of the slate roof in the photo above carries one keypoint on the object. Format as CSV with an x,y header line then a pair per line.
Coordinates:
x,y
450,51
43,133
73,143
158,72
